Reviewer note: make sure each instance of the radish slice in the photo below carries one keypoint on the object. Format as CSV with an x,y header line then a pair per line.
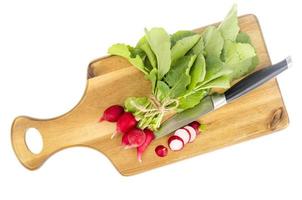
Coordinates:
x,y
175,143
192,132
195,125
161,151
184,134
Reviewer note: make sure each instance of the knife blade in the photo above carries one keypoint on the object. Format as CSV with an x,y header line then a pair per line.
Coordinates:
x,y
215,101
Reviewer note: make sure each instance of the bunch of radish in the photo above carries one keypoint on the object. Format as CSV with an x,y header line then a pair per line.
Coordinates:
x,y
126,124
134,137
184,135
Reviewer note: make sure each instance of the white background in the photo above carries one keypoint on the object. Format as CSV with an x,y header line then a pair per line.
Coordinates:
x,y
45,47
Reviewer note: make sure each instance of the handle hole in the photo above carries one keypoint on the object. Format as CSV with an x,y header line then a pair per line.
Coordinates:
x,y
34,140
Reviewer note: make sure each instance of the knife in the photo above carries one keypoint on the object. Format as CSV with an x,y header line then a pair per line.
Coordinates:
x,y
215,101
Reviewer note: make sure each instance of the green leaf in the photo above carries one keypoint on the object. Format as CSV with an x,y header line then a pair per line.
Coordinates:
x,y
152,76
178,77
255,62
144,45
125,51
214,69
137,51
132,103
147,64
220,82
198,48
162,90
243,38
213,41
198,71
243,67
235,52
180,35
240,58
159,42
229,27
191,100
182,46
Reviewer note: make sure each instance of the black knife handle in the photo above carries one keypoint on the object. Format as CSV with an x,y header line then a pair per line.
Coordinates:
x,y
256,79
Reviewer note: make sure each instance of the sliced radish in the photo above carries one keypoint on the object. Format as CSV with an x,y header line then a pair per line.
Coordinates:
x,y
175,143
161,151
192,132
184,134
195,125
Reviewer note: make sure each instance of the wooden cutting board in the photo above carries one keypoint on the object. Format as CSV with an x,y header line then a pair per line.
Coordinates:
x,y
112,79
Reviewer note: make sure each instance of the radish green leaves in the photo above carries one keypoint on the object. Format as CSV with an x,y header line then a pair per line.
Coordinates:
x,y
229,27
185,66
128,53
159,41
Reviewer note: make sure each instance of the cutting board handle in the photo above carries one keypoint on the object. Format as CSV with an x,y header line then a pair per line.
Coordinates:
x,y
18,133
19,128
50,132
80,126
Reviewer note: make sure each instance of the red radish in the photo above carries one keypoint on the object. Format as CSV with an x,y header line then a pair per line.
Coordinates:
x,y
112,114
149,138
175,143
195,125
192,132
183,134
126,122
136,137
161,151
125,141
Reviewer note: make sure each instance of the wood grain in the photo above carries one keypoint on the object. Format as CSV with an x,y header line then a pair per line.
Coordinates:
x,y
112,79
